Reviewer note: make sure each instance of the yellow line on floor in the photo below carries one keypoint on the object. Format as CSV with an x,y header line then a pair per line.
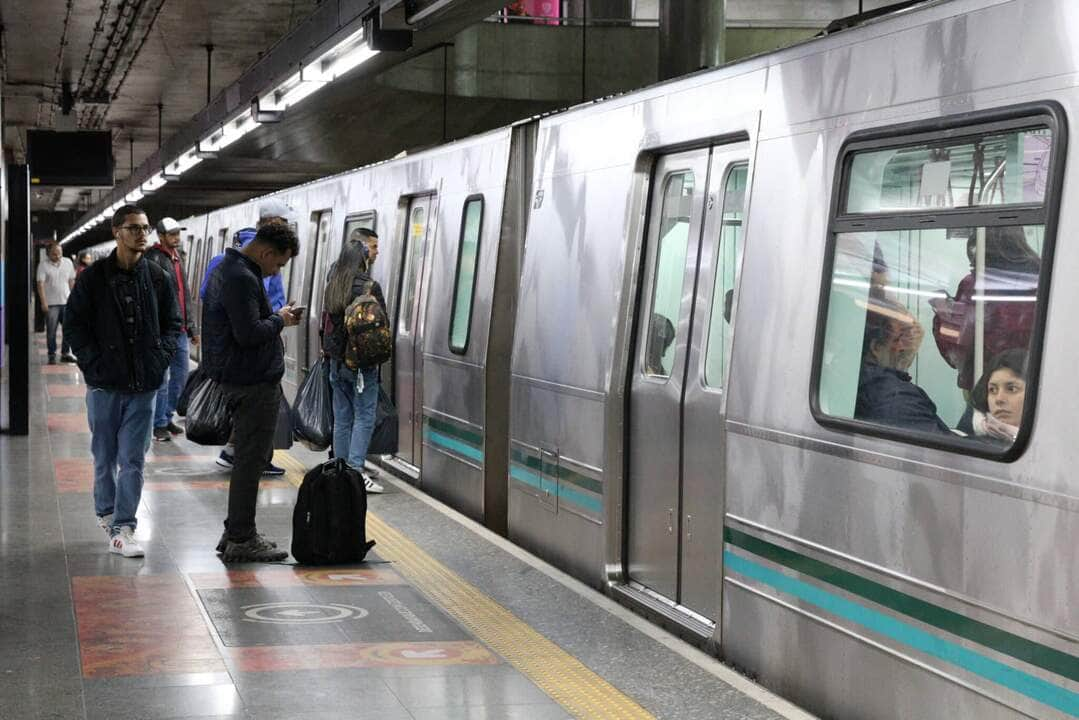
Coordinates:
x,y
563,677
294,469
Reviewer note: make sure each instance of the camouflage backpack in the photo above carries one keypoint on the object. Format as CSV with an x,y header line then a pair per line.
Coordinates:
x,y
370,342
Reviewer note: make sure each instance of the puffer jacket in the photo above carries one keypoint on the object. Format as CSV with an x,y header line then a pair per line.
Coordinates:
x,y
109,357
241,336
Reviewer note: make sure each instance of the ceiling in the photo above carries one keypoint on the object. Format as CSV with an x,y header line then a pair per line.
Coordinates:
x,y
124,58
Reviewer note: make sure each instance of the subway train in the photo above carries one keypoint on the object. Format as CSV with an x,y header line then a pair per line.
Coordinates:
x,y
733,349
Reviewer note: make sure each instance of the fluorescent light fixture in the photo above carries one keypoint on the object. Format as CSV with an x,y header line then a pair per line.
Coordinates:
x,y
155,183
134,196
288,93
187,160
344,56
228,133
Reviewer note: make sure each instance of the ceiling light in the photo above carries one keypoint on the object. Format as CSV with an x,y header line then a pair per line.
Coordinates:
x,y
134,196
155,183
187,160
228,133
345,55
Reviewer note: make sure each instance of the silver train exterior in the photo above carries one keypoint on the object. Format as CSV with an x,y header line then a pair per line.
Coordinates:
x,y
716,484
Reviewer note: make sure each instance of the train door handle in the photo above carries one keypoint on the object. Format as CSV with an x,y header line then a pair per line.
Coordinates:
x,y
689,527
670,521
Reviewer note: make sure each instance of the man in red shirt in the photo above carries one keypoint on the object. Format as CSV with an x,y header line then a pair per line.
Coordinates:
x,y
166,253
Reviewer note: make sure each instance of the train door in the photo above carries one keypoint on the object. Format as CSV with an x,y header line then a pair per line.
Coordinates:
x,y
408,348
676,440
314,285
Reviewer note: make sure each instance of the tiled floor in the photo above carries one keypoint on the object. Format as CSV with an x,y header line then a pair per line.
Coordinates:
x,y
177,634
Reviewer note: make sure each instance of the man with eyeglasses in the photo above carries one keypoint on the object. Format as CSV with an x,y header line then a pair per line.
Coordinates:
x,y
123,323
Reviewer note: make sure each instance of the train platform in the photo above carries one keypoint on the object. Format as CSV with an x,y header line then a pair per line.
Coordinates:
x,y
444,620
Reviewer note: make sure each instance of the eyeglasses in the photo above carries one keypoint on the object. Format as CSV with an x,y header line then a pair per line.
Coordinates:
x,y
137,229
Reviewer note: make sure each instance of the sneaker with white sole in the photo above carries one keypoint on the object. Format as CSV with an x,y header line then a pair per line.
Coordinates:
x,y
104,522
254,549
372,487
123,543
224,459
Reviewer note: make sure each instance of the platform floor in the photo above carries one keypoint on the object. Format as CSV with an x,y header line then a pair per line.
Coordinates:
x,y
444,620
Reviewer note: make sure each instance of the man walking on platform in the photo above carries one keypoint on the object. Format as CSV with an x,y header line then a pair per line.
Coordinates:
x,y
242,350
166,254
123,322
55,278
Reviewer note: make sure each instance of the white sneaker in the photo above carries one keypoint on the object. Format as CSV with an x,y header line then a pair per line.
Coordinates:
x,y
123,543
103,522
372,487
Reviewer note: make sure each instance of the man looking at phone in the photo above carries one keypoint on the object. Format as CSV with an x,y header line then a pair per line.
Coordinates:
x,y
243,351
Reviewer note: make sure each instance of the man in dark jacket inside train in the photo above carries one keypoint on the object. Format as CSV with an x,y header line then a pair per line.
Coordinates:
x,y
242,350
166,254
122,322
886,394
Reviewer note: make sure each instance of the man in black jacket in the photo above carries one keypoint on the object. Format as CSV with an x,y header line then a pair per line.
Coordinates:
x,y
242,350
122,322
166,254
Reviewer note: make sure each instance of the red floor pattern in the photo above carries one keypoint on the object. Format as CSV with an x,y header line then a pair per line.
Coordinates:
x,y
68,422
65,390
141,625
358,655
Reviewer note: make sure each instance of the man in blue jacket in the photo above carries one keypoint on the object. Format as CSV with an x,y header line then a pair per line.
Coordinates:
x,y
242,350
123,323
271,212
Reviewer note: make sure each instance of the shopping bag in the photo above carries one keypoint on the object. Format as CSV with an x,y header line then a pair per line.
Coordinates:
x,y
196,378
384,437
312,411
209,417
282,434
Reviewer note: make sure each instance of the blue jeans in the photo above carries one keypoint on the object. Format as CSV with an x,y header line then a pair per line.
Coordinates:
x,y
173,384
54,319
353,412
120,427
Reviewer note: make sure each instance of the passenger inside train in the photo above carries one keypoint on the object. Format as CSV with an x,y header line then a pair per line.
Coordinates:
x,y
999,396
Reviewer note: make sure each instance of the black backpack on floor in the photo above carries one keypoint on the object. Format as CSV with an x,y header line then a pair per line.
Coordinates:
x,y
328,522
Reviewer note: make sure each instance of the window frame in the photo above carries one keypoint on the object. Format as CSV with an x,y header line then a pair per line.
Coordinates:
x,y
1049,115
463,350
354,216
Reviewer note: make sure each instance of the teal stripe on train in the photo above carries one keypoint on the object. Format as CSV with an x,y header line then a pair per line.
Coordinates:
x,y
899,630
453,438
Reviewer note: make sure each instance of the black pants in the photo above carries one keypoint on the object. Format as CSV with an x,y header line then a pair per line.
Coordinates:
x,y
254,417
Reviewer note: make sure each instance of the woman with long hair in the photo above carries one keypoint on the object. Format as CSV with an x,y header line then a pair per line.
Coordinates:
x,y
355,391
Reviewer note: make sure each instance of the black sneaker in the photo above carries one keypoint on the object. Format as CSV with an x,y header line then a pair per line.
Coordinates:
x,y
224,541
68,358
52,359
272,469
254,549
224,459
174,428
161,434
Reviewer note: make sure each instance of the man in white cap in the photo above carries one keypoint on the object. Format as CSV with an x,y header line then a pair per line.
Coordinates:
x,y
166,254
272,211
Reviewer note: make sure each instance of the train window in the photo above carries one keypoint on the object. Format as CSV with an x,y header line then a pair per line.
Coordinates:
x,y
1004,168
669,274
730,259
355,221
932,334
468,252
417,233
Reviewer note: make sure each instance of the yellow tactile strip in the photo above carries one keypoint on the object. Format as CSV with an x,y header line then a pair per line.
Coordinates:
x,y
563,677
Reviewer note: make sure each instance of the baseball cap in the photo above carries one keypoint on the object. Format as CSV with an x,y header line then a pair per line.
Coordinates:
x,y
167,225
273,207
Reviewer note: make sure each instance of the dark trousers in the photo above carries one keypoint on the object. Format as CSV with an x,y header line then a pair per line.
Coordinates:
x,y
53,320
254,417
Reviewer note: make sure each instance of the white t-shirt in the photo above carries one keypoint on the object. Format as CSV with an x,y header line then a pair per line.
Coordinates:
x,y
56,277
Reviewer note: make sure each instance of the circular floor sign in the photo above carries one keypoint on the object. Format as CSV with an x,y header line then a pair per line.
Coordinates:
x,y
301,613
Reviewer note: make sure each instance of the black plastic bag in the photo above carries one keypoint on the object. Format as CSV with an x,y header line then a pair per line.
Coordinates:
x,y
384,437
196,378
312,412
282,434
209,417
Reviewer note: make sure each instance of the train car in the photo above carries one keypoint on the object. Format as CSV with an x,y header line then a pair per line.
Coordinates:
x,y
774,353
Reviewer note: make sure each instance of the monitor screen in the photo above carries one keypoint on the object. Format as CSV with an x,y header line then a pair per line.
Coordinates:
x,y
70,158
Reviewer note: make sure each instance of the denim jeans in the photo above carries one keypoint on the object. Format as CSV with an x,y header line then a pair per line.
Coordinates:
x,y
353,412
173,384
54,319
120,426
254,417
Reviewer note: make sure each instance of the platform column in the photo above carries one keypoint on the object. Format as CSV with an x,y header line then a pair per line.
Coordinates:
x,y
691,36
17,325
